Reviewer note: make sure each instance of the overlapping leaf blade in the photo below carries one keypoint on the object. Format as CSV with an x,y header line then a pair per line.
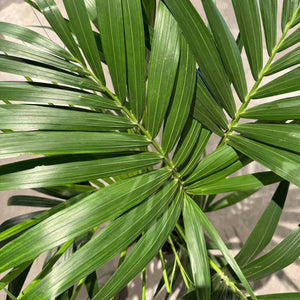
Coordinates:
x,y
22,51
278,258
220,244
263,231
135,55
46,93
58,170
238,183
59,25
33,38
288,8
145,249
215,161
279,110
197,251
80,24
55,143
182,99
291,40
292,58
206,110
284,163
22,67
188,140
204,50
227,47
286,136
110,20
247,15
162,69
26,117
105,204
125,230
268,9
286,83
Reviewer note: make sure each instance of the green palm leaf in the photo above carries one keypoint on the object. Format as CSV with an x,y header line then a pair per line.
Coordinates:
x,y
135,55
268,10
55,143
182,99
247,15
122,230
26,117
204,50
79,22
291,40
162,69
110,20
57,170
105,204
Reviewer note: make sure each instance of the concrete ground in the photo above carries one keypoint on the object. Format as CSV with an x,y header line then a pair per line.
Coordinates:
x,y
234,223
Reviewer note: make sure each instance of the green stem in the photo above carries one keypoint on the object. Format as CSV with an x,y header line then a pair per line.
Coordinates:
x,y
144,285
261,75
185,277
226,279
164,271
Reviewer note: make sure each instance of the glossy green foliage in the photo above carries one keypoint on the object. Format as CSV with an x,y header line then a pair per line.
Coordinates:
x,y
126,125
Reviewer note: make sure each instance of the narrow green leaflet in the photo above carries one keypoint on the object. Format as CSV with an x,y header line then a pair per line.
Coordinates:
x,y
33,54
247,15
197,152
14,273
292,58
231,199
268,9
110,20
291,40
26,117
227,47
47,93
55,143
203,47
238,183
286,136
278,258
188,140
135,55
51,12
223,173
288,9
279,110
33,38
205,107
22,67
296,20
197,250
220,244
182,99
214,162
162,69
204,50
284,163
80,24
33,201
101,206
103,247
35,219
144,251
283,296
18,219
57,170
263,231
286,83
